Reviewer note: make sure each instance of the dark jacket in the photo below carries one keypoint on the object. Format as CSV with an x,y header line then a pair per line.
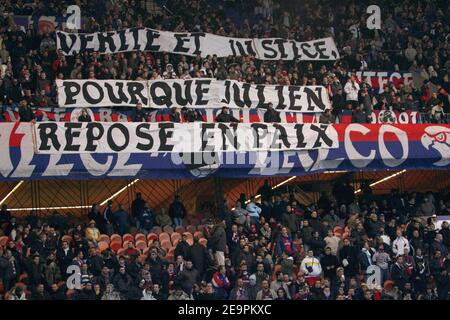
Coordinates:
x,y
218,239
226,117
182,249
26,114
349,253
199,256
399,275
177,210
329,265
188,278
272,115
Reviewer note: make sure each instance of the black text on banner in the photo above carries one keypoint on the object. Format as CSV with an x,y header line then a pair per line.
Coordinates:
x,y
195,43
96,137
192,93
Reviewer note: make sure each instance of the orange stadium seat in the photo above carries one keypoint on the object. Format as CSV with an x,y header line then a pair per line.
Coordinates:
x,y
180,229
121,252
152,237
175,237
141,245
103,245
198,234
156,230
115,246
337,230
3,241
191,229
203,242
127,237
140,237
105,238
188,234
116,238
66,238
168,229
164,237
125,244
166,244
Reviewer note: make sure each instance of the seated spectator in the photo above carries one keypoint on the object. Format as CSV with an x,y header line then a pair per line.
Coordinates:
x,y
163,219
92,233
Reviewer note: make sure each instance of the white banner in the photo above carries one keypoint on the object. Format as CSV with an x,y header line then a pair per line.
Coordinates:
x,y
95,137
101,93
192,93
195,43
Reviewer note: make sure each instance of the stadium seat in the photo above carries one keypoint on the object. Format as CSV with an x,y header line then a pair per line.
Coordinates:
x,y
105,238
116,238
145,251
66,238
195,222
103,245
276,268
3,241
150,243
141,245
203,242
140,237
156,230
125,244
190,241
168,229
191,229
70,293
121,252
115,246
166,244
188,234
198,234
128,237
152,236
180,229
164,237
337,230
175,237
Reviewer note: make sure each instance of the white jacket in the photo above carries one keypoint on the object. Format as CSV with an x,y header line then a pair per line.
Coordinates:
x,y
352,92
399,245
311,262
253,210
147,295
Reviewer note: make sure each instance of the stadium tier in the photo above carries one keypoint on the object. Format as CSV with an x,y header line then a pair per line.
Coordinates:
x,y
224,150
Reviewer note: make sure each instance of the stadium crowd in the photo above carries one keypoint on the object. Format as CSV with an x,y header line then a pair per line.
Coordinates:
x,y
414,37
277,249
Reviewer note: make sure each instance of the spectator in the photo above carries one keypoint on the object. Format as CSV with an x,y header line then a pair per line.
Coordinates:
x,y
351,89
121,219
271,115
139,115
225,116
177,211
311,267
26,114
84,116
92,233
